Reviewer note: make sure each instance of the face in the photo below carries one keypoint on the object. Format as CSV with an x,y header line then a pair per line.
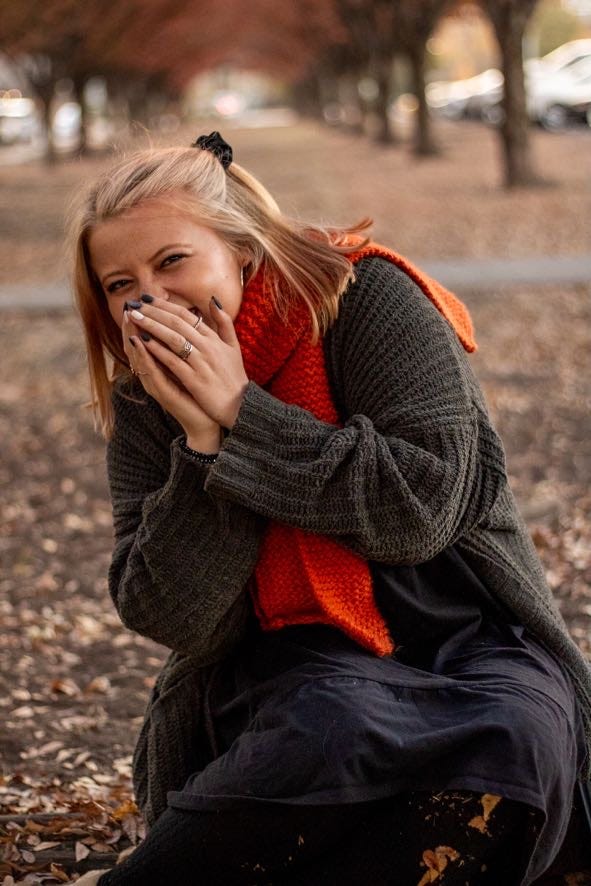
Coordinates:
x,y
155,248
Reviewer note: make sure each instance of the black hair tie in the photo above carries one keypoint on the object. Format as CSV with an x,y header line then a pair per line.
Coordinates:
x,y
215,143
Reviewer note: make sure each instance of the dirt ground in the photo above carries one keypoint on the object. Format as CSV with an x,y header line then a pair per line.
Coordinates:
x,y
73,681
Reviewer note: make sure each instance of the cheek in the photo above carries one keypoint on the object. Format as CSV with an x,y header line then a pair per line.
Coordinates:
x,y
115,308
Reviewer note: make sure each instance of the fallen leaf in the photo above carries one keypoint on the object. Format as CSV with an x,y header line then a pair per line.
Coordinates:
x,y
81,758
436,861
24,711
479,822
65,686
50,748
127,808
81,851
99,684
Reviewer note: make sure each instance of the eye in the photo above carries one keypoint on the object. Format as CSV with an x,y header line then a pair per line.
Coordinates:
x,y
117,284
171,259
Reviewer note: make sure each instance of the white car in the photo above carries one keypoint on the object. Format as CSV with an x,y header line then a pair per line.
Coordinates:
x,y
560,59
556,85
558,98
465,98
20,121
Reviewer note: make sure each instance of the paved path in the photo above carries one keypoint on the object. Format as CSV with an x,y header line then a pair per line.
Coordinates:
x,y
459,275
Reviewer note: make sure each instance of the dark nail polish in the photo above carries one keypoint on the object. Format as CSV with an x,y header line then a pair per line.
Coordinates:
x,y
132,341
145,336
217,303
148,299
125,306
134,304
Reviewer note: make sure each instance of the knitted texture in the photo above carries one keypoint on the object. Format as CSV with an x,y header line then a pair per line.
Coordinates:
x,y
448,304
301,577
414,464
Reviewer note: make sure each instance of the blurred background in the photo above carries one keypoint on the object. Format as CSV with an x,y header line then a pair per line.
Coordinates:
x,y
463,128
76,77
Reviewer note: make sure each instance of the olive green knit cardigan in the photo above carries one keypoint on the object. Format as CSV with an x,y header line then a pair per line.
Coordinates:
x,y
417,466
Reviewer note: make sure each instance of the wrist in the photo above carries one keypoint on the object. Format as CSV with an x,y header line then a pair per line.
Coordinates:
x,y
233,413
194,455
207,442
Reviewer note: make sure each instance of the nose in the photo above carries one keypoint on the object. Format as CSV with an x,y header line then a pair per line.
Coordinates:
x,y
151,287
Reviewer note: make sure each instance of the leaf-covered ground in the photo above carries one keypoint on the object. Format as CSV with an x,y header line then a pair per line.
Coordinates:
x,y
73,681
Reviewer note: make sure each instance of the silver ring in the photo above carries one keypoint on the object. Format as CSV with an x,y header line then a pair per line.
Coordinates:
x,y
197,321
185,350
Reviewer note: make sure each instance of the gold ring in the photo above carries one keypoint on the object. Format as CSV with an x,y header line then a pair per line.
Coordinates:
x,y
185,350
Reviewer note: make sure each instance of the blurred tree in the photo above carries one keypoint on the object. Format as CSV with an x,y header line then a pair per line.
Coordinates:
x,y
415,22
374,41
509,19
65,39
380,30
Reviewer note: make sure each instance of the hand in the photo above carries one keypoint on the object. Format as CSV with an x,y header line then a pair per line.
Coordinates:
x,y
158,381
214,374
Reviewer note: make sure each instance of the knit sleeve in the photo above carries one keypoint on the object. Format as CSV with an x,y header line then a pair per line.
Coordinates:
x,y
181,559
416,464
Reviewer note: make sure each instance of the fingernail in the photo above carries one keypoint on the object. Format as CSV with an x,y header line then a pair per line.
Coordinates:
x,y
125,306
145,336
217,303
136,315
134,304
132,341
147,298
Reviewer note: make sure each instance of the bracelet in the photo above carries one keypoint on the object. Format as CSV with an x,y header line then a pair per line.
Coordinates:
x,y
205,458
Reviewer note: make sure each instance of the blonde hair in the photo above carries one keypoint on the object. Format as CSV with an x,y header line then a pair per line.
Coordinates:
x,y
301,261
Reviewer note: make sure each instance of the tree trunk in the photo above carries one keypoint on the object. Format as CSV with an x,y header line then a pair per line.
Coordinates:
x,y
424,144
79,82
509,19
351,102
45,92
383,76
306,96
137,102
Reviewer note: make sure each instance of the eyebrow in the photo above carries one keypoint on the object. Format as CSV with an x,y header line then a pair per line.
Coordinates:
x,y
155,256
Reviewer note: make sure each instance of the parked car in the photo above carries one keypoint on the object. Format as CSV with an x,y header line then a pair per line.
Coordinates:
x,y
556,101
20,121
560,59
465,98
556,85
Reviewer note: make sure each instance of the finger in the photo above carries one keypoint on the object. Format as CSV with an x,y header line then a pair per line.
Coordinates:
x,y
174,338
128,328
155,378
137,361
225,325
181,369
165,311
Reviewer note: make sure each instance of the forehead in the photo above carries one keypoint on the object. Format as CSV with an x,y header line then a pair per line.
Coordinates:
x,y
143,228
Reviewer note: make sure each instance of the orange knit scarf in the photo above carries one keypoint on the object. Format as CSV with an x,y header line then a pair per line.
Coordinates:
x,y
302,577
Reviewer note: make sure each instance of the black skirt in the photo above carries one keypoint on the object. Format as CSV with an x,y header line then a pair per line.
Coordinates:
x,y
469,701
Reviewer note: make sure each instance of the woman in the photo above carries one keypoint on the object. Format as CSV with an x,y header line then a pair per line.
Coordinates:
x,y
369,681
